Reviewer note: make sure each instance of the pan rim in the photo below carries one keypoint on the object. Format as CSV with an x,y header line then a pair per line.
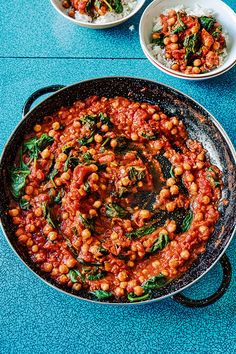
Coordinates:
x,y
215,122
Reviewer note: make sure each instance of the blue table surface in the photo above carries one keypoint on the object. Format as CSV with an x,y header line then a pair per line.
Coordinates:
x,y
40,48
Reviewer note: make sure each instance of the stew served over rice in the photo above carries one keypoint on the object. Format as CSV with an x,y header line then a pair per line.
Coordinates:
x,y
110,196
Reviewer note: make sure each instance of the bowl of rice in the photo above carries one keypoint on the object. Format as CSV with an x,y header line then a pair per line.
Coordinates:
x,y
97,14
189,40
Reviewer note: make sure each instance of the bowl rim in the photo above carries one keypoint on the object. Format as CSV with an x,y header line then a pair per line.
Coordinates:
x,y
137,7
179,76
171,72
169,295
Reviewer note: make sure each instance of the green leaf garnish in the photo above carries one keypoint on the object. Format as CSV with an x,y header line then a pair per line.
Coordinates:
x,y
134,298
101,294
160,243
155,282
142,231
187,221
114,210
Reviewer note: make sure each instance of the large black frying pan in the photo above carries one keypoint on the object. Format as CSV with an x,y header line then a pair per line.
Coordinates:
x,y
201,126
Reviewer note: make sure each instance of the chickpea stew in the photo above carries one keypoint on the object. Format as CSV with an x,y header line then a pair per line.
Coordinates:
x,y
191,44
110,196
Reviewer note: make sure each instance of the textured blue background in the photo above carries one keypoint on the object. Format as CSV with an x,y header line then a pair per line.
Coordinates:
x,y
40,48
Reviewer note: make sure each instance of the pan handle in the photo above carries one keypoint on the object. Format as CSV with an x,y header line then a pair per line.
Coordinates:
x,y
30,100
227,274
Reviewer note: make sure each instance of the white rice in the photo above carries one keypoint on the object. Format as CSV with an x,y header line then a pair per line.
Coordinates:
x,y
197,10
110,16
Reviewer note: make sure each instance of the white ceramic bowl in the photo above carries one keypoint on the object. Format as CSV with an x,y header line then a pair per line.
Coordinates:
x,y
223,13
58,6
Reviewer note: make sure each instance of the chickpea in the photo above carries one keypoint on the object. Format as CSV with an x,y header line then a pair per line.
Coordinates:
x,y
200,164
168,125
62,157
171,227
138,290
94,167
206,200
165,193
35,248
175,67
216,46
167,40
63,269
19,232
71,262
86,233
144,214
66,176
174,190
178,171
156,264
172,13
94,176
76,124
56,125
170,182
52,235
130,264
125,181
199,216
197,62
123,284
51,133
29,243
29,190
196,70
23,238
105,286
77,286
189,177
163,232
98,138
65,216
156,35
47,267
122,276
156,116
104,128
16,220
165,272
58,182
203,229
185,254
37,128
174,263
119,292
193,187
174,46
13,212
45,153
113,143
186,166
174,38
134,136
92,212
171,21
170,206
